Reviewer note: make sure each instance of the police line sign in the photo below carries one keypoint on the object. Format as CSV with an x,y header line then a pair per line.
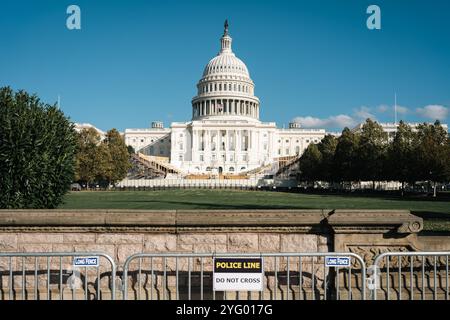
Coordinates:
x,y
85,262
238,274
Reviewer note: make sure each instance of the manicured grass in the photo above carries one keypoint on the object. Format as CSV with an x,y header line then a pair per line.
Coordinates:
x,y
436,212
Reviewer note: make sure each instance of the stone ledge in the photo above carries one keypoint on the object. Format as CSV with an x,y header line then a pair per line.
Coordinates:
x,y
400,221
340,221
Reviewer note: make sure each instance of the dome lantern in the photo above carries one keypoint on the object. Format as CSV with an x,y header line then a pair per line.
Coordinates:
x,y
226,40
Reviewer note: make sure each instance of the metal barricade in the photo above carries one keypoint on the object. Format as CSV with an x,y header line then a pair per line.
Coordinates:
x,y
290,276
57,276
410,276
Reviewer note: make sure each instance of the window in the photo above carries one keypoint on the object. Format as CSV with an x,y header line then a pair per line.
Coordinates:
x,y
208,168
307,141
142,140
287,151
180,157
279,151
201,158
244,157
297,150
287,141
242,168
223,157
231,169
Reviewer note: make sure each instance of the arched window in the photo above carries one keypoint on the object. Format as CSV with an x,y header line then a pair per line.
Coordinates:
x,y
231,169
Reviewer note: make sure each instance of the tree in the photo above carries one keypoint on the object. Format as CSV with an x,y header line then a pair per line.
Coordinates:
x,y
345,156
309,163
400,156
87,157
37,148
115,159
131,150
327,149
371,152
431,152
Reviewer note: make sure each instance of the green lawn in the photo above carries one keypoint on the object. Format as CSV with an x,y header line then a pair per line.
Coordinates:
x,y
436,212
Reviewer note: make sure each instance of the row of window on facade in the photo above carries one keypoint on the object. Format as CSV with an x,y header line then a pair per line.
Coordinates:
x,y
142,140
297,151
224,87
214,157
209,169
225,68
297,141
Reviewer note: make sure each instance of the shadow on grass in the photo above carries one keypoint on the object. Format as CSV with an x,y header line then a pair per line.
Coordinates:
x,y
209,205
375,195
436,218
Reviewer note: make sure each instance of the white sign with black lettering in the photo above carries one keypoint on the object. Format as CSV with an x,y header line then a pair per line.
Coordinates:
x,y
238,274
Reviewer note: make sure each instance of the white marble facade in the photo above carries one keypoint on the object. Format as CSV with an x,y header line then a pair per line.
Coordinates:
x,y
225,134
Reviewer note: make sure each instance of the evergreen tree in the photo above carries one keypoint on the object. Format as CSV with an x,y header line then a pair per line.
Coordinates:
x,y
327,149
400,156
371,153
345,156
431,153
309,163
37,148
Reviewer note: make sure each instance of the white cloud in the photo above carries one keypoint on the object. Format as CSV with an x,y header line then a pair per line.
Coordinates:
x,y
336,122
339,121
363,113
360,114
402,110
433,112
385,108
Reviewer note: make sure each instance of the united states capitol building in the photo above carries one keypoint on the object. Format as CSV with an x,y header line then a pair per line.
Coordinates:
x,y
225,135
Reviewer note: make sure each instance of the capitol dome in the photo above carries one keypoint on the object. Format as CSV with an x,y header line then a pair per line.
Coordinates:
x,y
226,63
225,88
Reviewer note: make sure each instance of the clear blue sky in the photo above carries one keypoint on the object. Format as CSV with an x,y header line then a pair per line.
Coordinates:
x,y
137,61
